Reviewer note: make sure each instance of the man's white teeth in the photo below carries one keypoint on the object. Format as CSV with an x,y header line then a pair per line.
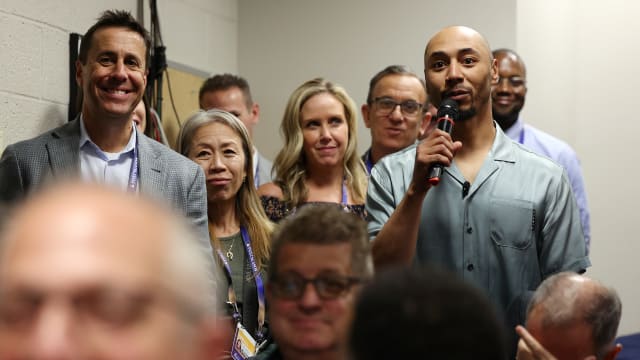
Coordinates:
x,y
118,92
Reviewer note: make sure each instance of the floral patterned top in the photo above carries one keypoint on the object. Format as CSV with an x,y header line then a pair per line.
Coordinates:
x,y
277,209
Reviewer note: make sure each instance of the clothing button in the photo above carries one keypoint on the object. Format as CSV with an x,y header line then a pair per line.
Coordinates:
x,y
470,267
469,230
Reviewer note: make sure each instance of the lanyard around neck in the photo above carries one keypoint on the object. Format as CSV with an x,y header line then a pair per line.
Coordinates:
x,y
133,172
344,194
367,161
343,199
259,284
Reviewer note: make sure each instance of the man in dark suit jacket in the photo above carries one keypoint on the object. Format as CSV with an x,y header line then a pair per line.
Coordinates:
x,y
101,144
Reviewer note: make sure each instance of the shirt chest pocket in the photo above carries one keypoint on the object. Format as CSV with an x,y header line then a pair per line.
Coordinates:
x,y
512,223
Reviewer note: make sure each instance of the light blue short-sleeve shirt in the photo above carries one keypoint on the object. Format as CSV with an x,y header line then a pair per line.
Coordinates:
x,y
517,224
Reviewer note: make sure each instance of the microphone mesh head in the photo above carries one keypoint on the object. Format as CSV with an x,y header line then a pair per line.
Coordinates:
x,y
448,107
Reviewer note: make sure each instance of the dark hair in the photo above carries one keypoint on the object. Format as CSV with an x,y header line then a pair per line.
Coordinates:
x,y
324,224
225,82
425,313
391,70
114,18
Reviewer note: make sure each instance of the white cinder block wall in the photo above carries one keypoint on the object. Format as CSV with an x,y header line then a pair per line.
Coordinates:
x,y
34,51
34,58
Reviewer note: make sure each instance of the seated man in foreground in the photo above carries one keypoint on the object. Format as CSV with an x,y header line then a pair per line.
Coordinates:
x,y
571,317
94,273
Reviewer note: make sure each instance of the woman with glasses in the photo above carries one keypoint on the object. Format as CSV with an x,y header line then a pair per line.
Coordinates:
x,y
240,231
318,163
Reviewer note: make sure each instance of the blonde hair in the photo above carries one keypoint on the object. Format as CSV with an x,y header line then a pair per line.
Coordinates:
x,y
290,165
248,206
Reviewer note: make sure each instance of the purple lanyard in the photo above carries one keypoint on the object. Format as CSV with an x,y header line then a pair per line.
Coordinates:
x,y
344,195
259,284
343,202
367,161
521,139
133,172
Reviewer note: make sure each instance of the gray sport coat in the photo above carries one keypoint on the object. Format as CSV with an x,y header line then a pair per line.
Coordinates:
x,y
163,173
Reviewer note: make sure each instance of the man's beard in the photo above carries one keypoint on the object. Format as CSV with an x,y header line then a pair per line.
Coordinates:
x,y
467,114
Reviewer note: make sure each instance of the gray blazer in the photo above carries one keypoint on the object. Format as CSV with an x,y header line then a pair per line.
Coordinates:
x,y
164,174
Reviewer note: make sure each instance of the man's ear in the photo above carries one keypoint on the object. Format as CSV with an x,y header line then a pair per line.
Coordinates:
x,y
365,115
494,72
425,127
79,73
255,113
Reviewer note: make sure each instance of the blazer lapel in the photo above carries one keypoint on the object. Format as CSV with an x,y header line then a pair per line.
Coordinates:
x,y
64,149
151,166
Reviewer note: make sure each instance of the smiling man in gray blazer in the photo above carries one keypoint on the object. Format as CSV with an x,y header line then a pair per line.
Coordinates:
x,y
101,144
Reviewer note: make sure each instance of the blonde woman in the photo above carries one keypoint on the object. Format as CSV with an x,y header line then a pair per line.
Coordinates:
x,y
319,161
239,230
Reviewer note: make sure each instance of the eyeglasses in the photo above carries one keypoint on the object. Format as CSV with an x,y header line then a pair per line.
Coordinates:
x,y
385,106
514,81
291,286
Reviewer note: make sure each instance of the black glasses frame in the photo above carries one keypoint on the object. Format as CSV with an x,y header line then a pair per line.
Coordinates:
x,y
320,285
405,106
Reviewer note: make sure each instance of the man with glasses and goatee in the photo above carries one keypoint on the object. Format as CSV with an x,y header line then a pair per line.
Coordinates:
x,y
319,259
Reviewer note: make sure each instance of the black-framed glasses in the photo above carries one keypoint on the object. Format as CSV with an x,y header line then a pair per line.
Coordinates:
x,y
386,105
514,81
291,286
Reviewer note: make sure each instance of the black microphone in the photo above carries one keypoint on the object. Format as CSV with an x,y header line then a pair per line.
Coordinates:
x,y
447,116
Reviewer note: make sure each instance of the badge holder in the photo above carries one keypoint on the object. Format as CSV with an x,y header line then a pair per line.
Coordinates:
x,y
244,345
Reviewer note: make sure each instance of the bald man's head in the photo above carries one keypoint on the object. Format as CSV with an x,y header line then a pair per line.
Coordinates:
x,y
509,92
464,31
95,273
458,65
573,317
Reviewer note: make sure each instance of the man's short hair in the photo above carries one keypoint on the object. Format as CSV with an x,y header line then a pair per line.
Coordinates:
x,y
391,70
564,302
324,224
499,51
415,313
223,82
114,18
